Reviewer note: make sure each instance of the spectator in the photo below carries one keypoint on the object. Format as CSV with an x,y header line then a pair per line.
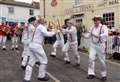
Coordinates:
x,y
80,29
65,26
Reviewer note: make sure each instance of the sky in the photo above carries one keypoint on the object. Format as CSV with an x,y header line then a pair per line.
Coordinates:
x,y
28,1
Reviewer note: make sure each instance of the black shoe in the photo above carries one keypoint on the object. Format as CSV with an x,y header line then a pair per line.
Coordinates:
x,y
67,62
37,63
21,58
4,49
44,79
90,76
53,56
23,67
12,49
104,78
16,48
25,81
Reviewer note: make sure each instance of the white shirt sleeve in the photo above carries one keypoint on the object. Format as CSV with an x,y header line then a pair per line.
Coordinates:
x,y
88,34
31,28
73,29
65,31
45,32
23,36
105,31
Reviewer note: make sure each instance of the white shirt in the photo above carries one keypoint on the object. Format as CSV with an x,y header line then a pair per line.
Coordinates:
x,y
59,36
40,33
71,33
27,33
96,31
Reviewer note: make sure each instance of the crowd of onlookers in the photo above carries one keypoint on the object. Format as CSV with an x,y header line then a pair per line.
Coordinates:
x,y
10,31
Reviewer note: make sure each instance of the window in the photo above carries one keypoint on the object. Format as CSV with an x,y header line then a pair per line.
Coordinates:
x,y
113,2
109,19
11,10
78,20
77,2
31,12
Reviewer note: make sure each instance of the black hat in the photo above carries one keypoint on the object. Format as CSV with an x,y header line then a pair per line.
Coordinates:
x,y
31,19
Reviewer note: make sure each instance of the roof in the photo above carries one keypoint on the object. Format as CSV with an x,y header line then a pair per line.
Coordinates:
x,y
77,15
21,4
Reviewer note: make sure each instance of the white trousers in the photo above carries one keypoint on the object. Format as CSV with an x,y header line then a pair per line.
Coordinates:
x,y
25,55
36,53
97,50
3,41
73,46
57,43
14,41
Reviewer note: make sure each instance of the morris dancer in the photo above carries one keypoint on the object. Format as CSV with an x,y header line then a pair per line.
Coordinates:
x,y
98,35
71,43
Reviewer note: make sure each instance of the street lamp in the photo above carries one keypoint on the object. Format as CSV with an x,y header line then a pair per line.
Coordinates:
x,y
44,13
44,8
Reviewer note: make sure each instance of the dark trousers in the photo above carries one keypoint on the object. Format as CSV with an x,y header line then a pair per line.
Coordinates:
x,y
79,38
65,38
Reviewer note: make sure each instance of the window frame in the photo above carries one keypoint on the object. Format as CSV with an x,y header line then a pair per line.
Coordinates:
x,y
31,11
110,19
77,2
11,10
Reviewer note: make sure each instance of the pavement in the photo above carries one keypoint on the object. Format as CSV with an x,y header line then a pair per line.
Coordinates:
x,y
10,70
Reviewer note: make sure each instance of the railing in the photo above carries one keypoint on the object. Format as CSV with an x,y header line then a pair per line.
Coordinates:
x,y
85,43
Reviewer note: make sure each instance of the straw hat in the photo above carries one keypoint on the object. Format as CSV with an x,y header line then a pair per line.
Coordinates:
x,y
97,17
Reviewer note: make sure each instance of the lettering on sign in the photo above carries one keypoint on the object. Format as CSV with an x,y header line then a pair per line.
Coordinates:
x,y
106,2
78,9
113,2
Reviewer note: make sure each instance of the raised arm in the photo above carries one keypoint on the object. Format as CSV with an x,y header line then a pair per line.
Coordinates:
x,y
46,33
72,29
87,34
